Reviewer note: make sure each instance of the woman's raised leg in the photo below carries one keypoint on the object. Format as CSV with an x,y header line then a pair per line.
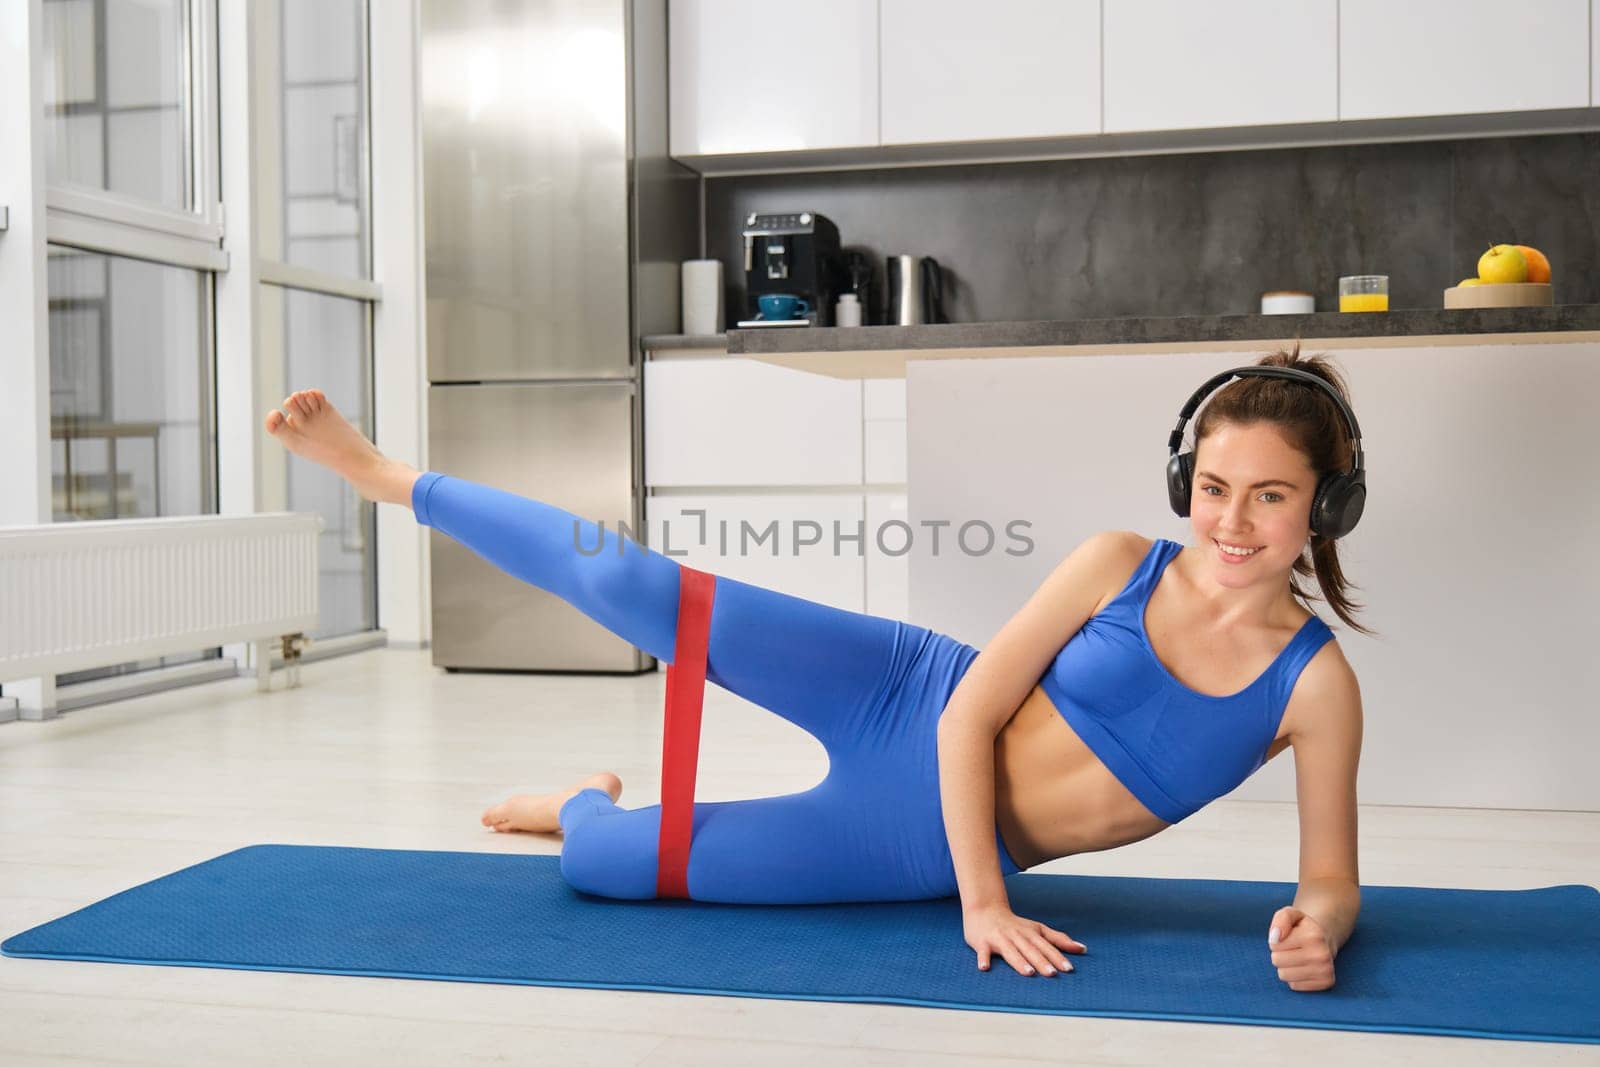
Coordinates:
x,y
870,831
817,666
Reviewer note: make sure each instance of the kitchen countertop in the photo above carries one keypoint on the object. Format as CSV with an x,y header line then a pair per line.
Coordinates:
x,y
882,351
683,342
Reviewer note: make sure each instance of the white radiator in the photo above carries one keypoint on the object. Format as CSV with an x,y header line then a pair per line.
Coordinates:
x,y
77,595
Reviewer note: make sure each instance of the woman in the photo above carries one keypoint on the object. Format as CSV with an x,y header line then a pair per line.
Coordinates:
x,y
1140,681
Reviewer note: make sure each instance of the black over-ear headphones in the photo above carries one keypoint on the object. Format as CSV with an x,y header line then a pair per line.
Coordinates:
x,y
1340,498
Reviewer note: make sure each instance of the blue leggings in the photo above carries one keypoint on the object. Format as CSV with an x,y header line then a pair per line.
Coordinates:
x,y
870,689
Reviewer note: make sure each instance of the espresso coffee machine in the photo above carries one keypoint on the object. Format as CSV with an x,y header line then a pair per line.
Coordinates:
x,y
795,254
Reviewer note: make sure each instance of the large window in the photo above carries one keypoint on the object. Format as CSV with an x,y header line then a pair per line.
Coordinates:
x,y
315,311
134,223
134,226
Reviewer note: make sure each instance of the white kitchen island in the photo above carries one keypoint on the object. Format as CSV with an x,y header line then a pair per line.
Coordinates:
x,y
1476,557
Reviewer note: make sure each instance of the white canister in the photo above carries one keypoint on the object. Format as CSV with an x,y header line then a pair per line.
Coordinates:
x,y
702,297
847,312
1287,302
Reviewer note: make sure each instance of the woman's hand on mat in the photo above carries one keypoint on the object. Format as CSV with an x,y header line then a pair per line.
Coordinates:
x,y
1301,951
1030,947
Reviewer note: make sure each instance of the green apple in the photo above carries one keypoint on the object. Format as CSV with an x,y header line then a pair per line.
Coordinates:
x,y
1503,264
1464,282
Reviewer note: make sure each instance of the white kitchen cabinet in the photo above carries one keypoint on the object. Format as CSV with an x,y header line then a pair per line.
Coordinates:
x,y
1448,57
884,456
888,573
954,70
771,77
729,421
1177,65
1594,53
884,398
779,541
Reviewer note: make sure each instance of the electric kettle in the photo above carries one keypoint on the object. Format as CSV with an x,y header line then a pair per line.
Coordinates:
x,y
916,290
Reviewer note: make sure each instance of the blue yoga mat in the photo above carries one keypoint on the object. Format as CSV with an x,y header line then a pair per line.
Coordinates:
x,y
1522,965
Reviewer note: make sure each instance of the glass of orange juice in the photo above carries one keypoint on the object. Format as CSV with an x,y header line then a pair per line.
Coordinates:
x,y
1364,292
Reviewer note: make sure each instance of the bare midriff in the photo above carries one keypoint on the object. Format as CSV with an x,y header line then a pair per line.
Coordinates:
x,y
1053,796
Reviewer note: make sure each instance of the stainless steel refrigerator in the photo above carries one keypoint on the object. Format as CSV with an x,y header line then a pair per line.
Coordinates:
x,y
554,224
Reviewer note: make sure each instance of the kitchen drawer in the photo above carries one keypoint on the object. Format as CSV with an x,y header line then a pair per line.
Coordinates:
x,y
768,553
724,421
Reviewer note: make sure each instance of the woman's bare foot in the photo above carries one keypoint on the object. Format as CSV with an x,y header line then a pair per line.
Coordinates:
x,y
538,814
310,426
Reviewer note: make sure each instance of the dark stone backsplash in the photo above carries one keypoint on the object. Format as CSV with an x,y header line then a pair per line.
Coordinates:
x,y
1200,234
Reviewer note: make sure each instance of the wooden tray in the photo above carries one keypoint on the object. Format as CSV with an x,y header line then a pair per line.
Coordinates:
x,y
1511,295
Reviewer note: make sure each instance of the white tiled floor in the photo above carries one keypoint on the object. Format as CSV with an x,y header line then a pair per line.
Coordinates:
x,y
381,750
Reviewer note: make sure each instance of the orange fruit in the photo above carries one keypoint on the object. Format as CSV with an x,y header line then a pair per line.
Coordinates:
x,y
1538,266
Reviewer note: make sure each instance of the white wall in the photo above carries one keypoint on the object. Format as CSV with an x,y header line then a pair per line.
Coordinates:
x,y
1476,555
24,357
398,322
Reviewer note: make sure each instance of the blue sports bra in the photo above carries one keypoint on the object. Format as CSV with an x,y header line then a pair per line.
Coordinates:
x,y
1175,749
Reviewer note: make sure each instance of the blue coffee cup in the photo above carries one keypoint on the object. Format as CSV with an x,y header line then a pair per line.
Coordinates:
x,y
781,306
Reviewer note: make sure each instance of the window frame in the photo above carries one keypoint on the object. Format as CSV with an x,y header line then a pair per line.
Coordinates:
x,y
117,224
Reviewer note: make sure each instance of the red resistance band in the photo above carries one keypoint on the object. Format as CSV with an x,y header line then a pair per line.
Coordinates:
x,y
680,746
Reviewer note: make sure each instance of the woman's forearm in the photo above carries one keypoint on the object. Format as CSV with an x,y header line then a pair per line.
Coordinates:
x,y
966,793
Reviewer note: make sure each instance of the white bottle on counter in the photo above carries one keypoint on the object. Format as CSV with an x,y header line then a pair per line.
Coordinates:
x,y
847,312
702,297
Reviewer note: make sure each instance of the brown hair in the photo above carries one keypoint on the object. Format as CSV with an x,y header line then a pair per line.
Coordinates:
x,y
1312,423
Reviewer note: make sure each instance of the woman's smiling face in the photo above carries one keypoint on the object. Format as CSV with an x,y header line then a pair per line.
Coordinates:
x,y
1252,490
